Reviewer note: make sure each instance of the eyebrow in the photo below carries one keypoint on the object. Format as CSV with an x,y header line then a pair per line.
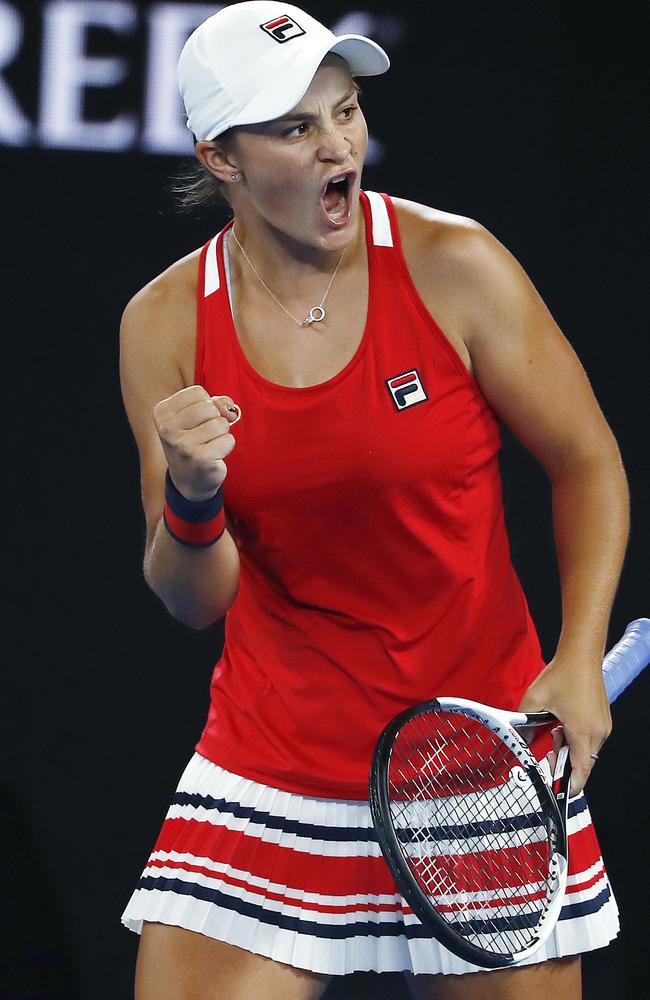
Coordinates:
x,y
308,117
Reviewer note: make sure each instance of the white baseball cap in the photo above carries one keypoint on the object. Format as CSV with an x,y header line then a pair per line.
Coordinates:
x,y
253,61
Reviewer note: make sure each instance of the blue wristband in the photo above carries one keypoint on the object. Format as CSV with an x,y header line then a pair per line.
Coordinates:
x,y
195,523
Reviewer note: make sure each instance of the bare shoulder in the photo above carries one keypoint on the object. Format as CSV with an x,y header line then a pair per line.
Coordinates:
x,y
426,222
157,347
460,268
178,280
459,243
498,322
442,252
160,320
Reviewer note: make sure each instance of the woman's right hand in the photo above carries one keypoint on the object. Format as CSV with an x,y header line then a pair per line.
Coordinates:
x,y
194,430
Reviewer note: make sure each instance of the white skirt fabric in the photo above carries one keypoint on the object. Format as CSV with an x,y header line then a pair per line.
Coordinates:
x,y
302,880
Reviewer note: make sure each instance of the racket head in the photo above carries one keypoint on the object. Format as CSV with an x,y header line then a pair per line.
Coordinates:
x,y
460,849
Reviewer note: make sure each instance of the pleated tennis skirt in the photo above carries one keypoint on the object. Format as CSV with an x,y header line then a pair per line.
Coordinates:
x,y
302,880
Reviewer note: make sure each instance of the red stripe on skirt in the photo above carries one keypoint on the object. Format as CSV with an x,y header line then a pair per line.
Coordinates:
x,y
584,850
485,871
281,897
330,876
320,874
588,883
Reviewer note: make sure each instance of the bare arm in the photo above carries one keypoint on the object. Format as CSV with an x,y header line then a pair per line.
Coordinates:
x,y
183,428
536,384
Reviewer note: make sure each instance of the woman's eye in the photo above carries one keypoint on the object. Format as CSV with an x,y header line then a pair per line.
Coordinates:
x,y
302,127
297,129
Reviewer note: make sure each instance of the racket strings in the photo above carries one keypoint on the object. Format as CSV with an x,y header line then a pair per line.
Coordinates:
x,y
472,829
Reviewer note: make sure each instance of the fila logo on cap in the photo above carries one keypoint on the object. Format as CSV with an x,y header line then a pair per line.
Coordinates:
x,y
406,389
282,29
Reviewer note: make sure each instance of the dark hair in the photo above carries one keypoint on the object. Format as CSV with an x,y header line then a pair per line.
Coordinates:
x,y
195,188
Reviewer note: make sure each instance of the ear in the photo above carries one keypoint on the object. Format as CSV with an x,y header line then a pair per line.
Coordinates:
x,y
215,158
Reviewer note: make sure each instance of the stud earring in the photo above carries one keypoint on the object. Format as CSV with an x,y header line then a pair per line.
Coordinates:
x,y
235,176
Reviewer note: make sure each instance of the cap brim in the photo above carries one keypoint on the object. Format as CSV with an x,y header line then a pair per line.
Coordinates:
x,y
363,56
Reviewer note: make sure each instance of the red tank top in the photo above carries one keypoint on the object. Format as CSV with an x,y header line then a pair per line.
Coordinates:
x,y
375,565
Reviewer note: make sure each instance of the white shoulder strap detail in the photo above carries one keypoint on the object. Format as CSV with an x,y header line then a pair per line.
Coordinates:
x,y
212,282
381,234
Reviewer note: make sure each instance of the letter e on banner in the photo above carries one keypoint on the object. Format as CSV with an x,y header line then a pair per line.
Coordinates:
x,y
68,70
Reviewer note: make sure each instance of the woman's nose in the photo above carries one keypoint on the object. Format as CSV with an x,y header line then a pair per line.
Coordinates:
x,y
334,144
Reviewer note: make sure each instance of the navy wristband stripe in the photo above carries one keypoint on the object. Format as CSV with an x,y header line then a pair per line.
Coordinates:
x,y
194,523
194,536
193,511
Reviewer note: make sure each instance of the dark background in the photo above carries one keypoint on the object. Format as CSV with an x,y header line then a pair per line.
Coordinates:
x,y
525,116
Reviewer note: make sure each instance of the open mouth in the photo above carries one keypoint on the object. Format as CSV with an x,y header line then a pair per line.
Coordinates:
x,y
335,198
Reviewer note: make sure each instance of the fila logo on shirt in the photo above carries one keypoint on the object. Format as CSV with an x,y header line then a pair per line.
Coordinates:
x,y
406,389
282,29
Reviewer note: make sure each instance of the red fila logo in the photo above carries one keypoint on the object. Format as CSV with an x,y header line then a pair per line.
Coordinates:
x,y
283,29
406,389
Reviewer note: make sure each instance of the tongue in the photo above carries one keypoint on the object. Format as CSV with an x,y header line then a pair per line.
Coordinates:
x,y
332,198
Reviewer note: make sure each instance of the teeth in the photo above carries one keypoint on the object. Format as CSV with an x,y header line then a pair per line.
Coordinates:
x,y
335,180
341,209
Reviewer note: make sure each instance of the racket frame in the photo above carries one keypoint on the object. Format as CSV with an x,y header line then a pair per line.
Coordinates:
x,y
623,663
554,802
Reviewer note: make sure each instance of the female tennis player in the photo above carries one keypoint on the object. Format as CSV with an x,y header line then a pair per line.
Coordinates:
x,y
350,527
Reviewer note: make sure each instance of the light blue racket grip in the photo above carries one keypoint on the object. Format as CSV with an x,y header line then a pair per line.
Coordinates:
x,y
627,658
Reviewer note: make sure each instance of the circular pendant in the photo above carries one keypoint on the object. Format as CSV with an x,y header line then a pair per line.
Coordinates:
x,y
313,317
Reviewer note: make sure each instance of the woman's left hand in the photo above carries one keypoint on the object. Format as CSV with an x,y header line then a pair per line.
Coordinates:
x,y
572,689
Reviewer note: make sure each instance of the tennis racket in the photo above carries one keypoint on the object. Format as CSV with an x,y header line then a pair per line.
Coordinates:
x,y
472,826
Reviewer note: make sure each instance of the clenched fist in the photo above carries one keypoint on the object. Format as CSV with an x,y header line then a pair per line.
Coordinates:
x,y
194,430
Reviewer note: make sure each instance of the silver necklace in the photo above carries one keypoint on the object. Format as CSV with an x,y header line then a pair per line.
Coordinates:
x,y
316,313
